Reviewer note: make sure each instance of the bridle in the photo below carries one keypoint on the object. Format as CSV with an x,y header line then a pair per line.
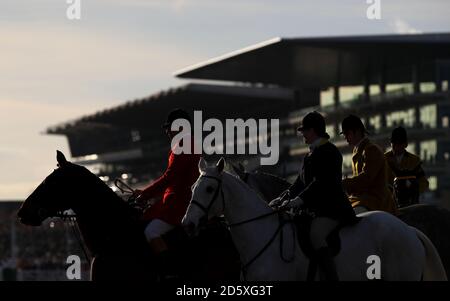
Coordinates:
x,y
214,198
244,267
71,219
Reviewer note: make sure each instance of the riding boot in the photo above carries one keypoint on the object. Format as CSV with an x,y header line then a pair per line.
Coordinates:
x,y
164,260
326,264
167,265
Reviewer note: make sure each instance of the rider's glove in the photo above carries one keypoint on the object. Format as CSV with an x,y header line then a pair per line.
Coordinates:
x,y
294,203
279,200
138,196
276,202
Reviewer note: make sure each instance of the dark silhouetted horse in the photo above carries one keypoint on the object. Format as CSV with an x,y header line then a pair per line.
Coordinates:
x,y
114,235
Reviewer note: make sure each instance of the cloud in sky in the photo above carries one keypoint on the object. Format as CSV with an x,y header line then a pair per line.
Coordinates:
x,y
53,70
401,26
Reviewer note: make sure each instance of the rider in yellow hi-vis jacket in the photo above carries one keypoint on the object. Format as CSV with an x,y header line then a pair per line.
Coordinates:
x,y
367,188
405,166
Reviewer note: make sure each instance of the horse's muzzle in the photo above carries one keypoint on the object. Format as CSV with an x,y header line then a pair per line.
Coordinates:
x,y
29,217
190,229
203,221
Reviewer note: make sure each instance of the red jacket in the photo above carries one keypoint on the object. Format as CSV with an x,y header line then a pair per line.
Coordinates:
x,y
175,183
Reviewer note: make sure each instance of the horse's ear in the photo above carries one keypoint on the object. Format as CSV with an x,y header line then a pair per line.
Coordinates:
x,y
220,165
61,159
202,165
239,170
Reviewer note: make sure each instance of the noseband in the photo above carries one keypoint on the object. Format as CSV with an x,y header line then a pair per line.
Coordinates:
x,y
214,198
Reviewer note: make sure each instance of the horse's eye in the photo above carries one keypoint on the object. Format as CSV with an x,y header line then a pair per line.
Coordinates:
x,y
209,189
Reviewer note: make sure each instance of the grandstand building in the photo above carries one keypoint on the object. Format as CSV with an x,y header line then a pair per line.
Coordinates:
x,y
127,142
387,80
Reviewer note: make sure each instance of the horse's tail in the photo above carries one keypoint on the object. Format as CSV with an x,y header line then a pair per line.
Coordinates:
x,y
433,270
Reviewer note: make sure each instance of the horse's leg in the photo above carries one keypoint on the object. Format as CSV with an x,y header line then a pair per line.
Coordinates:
x,y
129,268
106,268
380,242
98,269
434,222
403,254
93,271
434,269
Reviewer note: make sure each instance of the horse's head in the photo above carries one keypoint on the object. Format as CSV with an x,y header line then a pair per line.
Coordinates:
x,y
207,196
53,195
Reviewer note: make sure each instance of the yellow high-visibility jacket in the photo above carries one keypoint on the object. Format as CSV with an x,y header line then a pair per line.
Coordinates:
x,y
410,165
368,185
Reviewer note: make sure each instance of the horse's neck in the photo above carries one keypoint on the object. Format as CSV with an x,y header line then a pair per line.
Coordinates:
x,y
97,216
268,185
242,203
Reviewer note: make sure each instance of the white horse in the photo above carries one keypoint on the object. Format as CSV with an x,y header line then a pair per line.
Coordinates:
x,y
269,248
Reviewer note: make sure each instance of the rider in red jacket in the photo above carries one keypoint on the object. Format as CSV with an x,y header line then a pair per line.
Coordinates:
x,y
175,186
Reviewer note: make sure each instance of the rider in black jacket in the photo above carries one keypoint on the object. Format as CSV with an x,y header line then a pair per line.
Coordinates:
x,y
318,188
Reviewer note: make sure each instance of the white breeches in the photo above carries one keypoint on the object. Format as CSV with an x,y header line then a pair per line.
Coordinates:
x,y
156,228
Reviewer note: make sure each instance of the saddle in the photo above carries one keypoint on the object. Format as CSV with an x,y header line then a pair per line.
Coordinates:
x,y
211,255
302,222
406,185
406,191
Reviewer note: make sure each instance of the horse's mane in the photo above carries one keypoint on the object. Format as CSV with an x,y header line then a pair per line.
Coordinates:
x,y
238,179
99,187
272,177
244,185
103,212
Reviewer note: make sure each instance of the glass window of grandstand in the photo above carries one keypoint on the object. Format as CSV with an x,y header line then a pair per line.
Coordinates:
x,y
433,183
403,118
347,162
351,93
331,130
429,87
291,131
347,95
428,151
428,116
326,98
374,124
399,89
374,90
445,121
412,148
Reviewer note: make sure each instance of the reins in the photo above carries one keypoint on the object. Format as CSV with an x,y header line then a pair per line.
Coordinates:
x,y
72,218
282,223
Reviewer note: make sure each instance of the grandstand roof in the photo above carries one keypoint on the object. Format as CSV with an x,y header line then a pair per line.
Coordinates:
x,y
322,62
218,100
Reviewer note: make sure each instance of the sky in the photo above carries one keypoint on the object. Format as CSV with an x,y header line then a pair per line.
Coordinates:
x,y
53,69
